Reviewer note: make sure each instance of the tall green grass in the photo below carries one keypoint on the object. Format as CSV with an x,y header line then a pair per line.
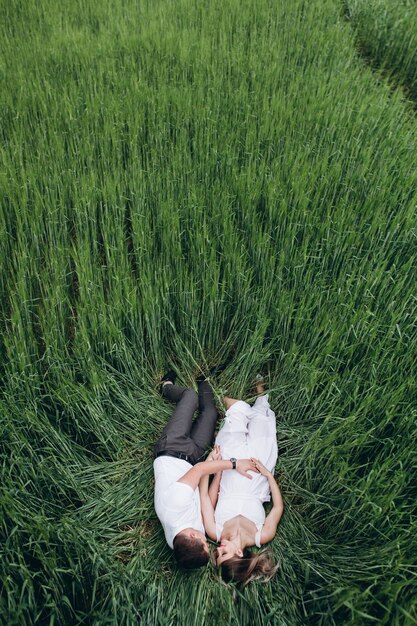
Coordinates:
x,y
386,33
184,183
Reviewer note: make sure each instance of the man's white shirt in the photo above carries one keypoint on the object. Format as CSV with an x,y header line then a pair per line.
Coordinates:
x,y
177,505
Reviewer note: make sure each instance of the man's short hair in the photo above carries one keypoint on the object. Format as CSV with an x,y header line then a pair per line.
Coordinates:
x,y
190,552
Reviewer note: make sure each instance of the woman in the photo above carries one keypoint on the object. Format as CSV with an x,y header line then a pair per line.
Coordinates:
x,y
232,508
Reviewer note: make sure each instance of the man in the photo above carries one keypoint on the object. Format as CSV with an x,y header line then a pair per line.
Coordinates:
x,y
178,467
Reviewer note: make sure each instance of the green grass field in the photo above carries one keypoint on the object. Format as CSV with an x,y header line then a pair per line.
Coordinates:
x,y
386,35
183,183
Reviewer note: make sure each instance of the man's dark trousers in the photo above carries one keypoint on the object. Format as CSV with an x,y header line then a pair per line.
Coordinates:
x,y
181,434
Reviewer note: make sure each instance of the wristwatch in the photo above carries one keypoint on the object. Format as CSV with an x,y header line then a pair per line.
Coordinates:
x,y
233,460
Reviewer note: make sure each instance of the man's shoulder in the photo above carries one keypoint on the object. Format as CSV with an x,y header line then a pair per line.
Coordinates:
x,y
176,497
178,490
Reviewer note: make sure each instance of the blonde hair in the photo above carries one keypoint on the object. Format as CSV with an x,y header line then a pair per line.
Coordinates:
x,y
250,566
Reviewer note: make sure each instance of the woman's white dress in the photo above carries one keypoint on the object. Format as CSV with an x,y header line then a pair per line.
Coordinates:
x,y
248,431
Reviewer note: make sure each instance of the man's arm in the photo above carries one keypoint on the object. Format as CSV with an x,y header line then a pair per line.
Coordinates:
x,y
193,476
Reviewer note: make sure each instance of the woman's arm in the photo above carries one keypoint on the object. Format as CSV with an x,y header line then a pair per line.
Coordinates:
x,y
213,490
207,509
272,519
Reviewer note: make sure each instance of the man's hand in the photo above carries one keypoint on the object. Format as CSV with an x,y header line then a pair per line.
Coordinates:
x,y
243,465
215,454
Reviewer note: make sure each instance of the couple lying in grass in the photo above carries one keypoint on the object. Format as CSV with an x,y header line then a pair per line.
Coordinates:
x,y
230,511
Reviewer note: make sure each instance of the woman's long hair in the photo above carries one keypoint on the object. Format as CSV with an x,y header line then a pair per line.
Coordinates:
x,y
250,566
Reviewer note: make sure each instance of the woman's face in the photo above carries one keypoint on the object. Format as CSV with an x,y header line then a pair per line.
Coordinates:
x,y
226,550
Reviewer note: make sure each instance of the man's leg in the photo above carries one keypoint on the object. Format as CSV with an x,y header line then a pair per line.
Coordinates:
x,y
176,434
203,428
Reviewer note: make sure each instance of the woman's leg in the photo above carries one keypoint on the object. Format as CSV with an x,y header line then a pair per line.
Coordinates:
x,y
232,435
229,401
262,432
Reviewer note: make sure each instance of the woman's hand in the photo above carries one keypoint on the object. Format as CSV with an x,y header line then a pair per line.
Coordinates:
x,y
260,467
215,454
244,465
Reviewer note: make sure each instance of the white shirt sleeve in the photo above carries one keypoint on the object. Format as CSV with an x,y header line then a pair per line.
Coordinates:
x,y
177,509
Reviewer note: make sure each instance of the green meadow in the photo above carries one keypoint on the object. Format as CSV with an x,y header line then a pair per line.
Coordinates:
x,y
185,183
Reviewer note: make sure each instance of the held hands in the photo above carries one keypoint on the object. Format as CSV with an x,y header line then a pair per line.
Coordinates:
x,y
244,465
260,467
215,454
